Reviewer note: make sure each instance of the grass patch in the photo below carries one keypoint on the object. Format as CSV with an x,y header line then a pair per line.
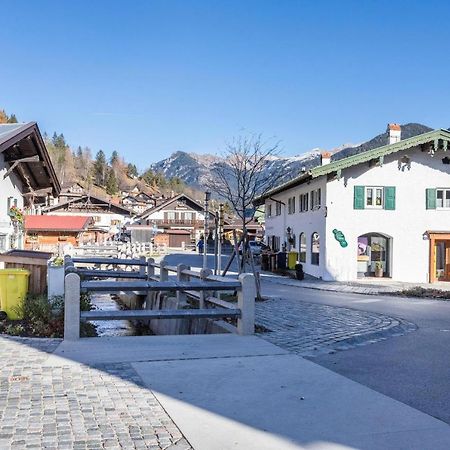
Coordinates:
x,y
44,317
420,292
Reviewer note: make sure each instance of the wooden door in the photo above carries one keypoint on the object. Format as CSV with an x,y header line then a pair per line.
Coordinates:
x,y
447,260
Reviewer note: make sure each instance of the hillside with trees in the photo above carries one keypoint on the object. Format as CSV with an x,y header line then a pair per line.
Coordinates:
x,y
98,173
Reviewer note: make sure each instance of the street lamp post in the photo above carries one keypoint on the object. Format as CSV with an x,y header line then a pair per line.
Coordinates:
x,y
219,239
205,230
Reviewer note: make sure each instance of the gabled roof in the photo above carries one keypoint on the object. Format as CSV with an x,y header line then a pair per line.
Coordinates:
x,y
96,201
57,223
149,211
23,140
437,139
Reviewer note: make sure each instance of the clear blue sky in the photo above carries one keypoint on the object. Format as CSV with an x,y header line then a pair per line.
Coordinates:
x,y
148,78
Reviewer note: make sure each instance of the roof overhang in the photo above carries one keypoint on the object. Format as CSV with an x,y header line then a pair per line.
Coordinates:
x,y
24,151
432,141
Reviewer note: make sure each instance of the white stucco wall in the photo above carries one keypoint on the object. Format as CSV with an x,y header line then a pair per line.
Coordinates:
x,y
9,187
406,224
307,222
104,222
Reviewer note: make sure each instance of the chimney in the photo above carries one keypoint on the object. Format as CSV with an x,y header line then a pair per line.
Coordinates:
x,y
325,158
395,133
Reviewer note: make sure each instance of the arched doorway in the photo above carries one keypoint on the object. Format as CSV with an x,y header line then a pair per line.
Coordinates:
x,y
374,255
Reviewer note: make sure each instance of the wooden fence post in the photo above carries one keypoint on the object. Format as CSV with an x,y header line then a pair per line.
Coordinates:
x,y
246,303
72,307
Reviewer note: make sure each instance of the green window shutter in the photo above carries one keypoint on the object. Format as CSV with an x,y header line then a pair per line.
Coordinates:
x,y
358,197
431,198
389,197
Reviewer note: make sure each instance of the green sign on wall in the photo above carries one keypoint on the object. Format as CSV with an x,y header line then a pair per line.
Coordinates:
x,y
339,236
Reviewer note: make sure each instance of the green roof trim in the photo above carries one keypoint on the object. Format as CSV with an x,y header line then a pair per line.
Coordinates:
x,y
381,152
376,153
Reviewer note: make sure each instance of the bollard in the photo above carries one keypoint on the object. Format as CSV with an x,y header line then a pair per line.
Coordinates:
x,y
246,303
72,307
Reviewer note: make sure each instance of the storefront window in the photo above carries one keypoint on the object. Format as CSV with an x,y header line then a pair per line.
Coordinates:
x,y
302,247
315,249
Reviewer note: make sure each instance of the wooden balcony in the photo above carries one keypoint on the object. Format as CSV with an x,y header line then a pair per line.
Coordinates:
x,y
178,222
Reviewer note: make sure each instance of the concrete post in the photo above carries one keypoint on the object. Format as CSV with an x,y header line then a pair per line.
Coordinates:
x,y
143,268
150,273
72,307
204,274
163,272
246,303
181,296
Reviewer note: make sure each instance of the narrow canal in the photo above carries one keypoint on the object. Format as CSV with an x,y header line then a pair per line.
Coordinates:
x,y
104,302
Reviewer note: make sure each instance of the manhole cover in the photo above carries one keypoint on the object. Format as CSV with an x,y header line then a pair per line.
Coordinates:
x,y
18,379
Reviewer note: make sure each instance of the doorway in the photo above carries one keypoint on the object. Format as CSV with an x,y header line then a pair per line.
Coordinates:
x,y
374,255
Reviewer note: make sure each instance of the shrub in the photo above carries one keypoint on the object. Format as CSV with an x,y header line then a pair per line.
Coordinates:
x,y
44,317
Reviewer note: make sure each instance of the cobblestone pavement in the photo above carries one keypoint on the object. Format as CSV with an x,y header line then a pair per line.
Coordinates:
x,y
311,329
76,407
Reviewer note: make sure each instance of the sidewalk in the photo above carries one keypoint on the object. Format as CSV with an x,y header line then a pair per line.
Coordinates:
x,y
368,286
230,392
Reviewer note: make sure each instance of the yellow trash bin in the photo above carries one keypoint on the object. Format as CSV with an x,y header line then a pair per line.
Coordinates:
x,y
13,290
292,260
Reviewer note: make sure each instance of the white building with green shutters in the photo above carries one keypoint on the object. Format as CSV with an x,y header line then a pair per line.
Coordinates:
x,y
384,212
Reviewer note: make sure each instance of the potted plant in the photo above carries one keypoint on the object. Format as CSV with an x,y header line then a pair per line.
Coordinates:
x,y
379,269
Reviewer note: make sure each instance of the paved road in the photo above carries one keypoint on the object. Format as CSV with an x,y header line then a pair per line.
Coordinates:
x,y
413,368
76,406
310,329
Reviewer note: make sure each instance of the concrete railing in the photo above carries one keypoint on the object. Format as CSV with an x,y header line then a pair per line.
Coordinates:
x,y
197,285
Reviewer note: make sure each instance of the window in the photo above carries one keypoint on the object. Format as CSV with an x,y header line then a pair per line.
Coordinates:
x,y
302,247
278,208
442,198
291,205
269,210
303,202
315,199
2,242
275,243
315,249
374,197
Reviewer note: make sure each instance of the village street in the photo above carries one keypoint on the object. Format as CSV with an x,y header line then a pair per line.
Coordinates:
x,y
397,346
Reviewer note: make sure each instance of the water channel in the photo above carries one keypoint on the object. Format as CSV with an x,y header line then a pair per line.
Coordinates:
x,y
105,302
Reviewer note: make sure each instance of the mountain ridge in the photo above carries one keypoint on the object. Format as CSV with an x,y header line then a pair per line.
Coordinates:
x,y
194,169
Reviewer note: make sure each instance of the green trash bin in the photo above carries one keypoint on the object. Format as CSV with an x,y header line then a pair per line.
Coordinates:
x,y
13,290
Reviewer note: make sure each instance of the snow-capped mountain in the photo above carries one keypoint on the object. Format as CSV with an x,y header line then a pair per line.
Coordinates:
x,y
194,169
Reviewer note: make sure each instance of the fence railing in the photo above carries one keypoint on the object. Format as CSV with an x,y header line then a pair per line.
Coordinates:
x,y
139,276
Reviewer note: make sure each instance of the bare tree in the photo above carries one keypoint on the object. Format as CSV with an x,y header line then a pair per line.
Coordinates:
x,y
243,175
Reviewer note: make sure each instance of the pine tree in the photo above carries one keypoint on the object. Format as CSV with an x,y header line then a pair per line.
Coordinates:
x,y
132,170
111,183
100,168
12,118
114,158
